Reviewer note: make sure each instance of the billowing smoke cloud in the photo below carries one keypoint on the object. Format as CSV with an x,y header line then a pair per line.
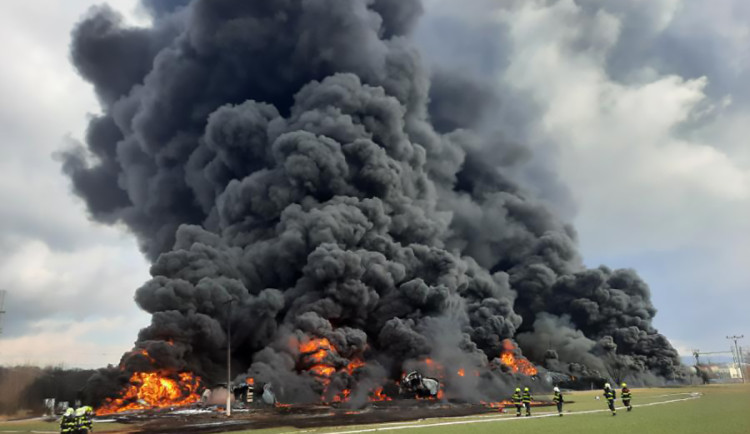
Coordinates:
x,y
286,155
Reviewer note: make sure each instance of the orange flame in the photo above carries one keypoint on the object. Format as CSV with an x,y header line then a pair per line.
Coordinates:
x,y
145,354
316,349
354,365
461,372
323,370
315,357
343,396
154,390
517,364
440,396
378,395
434,369
498,404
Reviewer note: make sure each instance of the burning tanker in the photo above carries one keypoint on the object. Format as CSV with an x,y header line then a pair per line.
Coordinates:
x,y
155,389
279,164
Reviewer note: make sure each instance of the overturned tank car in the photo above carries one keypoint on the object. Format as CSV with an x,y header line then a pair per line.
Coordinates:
x,y
415,385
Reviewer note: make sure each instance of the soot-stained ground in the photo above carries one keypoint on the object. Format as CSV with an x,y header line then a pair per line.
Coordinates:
x,y
298,416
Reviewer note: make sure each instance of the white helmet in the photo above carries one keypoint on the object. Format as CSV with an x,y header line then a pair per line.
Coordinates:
x,y
607,386
556,389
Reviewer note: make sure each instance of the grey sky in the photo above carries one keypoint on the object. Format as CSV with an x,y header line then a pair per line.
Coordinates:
x,y
51,256
640,108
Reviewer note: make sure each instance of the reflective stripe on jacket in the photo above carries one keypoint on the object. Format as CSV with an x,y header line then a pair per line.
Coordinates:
x,y
68,424
558,397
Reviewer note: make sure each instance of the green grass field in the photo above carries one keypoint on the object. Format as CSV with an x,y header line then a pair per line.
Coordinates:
x,y
721,409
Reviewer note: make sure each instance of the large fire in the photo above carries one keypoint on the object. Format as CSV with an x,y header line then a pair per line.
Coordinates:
x,y
316,349
154,390
518,364
318,357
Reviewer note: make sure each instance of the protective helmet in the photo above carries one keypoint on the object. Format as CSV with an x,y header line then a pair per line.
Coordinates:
x,y
518,389
525,389
607,386
624,385
556,389
69,412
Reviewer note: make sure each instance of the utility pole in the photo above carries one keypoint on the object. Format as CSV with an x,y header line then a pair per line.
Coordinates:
x,y
740,355
2,309
229,357
736,354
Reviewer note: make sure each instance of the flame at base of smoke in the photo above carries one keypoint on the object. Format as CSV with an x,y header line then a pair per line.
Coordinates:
x,y
154,390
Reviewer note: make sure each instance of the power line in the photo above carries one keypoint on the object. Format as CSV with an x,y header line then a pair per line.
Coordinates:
x,y
697,353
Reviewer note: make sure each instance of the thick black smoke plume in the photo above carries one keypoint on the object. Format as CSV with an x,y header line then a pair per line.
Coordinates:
x,y
282,154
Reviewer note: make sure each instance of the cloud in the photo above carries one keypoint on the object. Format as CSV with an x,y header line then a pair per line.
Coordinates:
x,y
90,344
622,134
51,255
641,110
44,284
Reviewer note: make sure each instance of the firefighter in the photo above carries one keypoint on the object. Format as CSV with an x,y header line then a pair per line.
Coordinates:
x,y
89,419
625,395
527,400
517,401
610,396
68,422
558,399
84,419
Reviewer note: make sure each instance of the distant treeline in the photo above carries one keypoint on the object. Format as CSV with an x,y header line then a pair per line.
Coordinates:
x,y
24,388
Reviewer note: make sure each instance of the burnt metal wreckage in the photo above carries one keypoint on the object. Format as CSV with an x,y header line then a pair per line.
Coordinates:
x,y
415,385
247,394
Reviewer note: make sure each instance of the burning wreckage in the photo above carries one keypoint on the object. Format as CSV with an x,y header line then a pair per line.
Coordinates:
x,y
415,385
414,395
302,184
147,391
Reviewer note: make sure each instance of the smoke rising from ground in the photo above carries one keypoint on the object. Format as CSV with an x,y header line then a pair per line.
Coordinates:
x,y
297,158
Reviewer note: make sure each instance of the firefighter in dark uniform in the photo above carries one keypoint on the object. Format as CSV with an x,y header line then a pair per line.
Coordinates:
x,y
625,395
558,399
610,396
68,422
527,400
88,419
84,419
517,401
